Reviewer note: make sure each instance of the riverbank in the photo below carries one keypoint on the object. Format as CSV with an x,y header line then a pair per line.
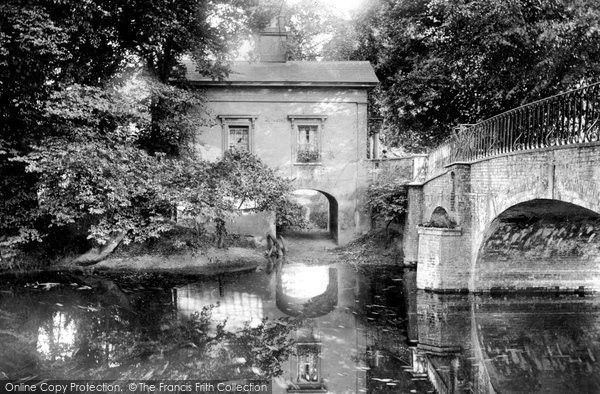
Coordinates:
x,y
185,254
180,251
207,262
373,248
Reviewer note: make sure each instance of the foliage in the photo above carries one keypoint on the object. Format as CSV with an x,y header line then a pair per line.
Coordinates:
x,y
443,63
387,202
130,191
95,126
288,215
191,348
307,156
315,29
319,216
311,25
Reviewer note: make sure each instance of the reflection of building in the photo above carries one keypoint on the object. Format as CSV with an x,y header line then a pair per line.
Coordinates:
x,y
236,302
56,338
306,369
328,344
307,291
236,307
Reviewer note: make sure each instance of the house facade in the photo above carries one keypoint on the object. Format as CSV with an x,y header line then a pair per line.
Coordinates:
x,y
307,120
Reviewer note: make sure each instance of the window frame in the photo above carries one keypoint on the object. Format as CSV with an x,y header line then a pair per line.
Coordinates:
x,y
298,121
240,121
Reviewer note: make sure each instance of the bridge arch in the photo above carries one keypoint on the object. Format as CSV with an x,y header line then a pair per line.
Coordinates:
x,y
537,243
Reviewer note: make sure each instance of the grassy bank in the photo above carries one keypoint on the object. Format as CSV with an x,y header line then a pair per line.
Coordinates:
x,y
182,250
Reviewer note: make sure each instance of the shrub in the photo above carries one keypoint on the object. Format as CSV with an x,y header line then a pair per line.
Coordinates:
x,y
388,202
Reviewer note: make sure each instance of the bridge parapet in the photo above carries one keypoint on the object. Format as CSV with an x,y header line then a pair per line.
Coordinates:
x,y
566,119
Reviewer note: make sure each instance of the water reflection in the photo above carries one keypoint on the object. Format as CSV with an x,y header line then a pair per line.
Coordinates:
x,y
237,308
306,291
327,340
510,345
304,282
56,338
329,329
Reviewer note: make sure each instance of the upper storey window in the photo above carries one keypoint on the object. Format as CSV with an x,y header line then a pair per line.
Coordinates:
x,y
239,138
238,132
308,144
307,138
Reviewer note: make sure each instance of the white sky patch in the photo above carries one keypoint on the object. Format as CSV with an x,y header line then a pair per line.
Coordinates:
x,y
344,7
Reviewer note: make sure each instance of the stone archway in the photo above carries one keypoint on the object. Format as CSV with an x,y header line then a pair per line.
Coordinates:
x,y
326,221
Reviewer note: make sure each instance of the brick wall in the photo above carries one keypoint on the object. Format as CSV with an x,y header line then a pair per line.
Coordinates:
x,y
442,259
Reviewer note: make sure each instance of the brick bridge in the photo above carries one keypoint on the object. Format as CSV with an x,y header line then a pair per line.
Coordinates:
x,y
539,160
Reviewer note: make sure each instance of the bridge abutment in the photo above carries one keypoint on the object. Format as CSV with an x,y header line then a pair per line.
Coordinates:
x,y
443,256
438,230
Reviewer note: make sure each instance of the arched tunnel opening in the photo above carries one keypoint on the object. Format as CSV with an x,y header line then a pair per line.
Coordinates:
x,y
320,213
541,245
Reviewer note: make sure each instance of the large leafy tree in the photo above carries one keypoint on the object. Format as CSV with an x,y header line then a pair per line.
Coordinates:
x,y
315,28
94,120
443,62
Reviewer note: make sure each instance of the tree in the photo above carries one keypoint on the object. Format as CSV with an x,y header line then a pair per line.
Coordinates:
x,y
443,63
312,24
314,28
83,148
388,202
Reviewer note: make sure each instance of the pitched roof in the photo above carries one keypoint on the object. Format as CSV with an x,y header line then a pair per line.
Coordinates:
x,y
339,73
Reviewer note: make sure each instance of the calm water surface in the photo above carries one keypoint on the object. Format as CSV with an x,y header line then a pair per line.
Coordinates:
x,y
319,327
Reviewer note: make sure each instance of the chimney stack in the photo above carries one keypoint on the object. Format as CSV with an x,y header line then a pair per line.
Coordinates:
x,y
272,42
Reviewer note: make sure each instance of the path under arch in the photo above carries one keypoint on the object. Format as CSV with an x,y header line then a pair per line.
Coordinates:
x,y
310,247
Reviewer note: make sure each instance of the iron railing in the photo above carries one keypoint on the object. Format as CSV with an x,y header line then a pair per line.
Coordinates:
x,y
568,118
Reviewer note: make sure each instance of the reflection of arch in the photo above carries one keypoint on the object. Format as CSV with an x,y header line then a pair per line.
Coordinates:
x,y
523,215
528,351
333,212
511,344
307,305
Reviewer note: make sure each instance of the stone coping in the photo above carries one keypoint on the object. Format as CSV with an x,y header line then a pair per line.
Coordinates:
x,y
442,231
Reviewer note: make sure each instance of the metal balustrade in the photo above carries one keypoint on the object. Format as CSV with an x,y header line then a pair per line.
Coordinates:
x,y
569,118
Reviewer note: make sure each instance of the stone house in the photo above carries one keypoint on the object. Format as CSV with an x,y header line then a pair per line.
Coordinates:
x,y
307,120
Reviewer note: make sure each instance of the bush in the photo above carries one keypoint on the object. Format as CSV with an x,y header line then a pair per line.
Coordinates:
x,y
288,215
388,202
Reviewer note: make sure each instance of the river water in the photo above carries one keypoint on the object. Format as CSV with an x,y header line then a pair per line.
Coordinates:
x,y
321,328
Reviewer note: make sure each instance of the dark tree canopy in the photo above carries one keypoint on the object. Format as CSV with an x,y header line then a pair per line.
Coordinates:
x,y
443,63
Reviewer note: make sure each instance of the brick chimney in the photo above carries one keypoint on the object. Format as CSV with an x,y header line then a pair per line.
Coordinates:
x,y
272,42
